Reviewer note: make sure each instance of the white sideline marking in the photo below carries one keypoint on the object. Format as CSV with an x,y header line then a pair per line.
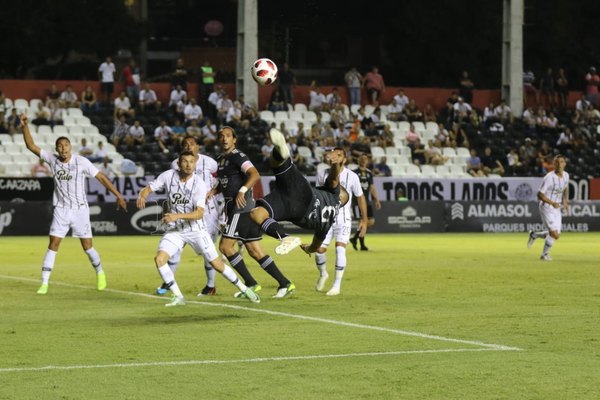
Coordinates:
x,y
289,315
246,360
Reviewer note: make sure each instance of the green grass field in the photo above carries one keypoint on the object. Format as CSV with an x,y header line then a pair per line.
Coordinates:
x,y
462,316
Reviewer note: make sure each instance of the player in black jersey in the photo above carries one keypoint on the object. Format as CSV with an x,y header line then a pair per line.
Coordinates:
x,y
237,176
366,181
294,199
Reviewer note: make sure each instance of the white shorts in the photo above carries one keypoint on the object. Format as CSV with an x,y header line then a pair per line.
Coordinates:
x,y
341,230
64,219
172,242
551,217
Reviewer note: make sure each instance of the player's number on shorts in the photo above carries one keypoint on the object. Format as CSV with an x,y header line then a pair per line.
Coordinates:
x,y
327,213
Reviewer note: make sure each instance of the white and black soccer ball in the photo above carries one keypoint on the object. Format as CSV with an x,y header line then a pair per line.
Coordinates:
x,y
264,71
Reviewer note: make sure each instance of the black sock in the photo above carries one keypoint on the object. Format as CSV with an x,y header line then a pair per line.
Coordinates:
x,y
273,229
355,235
237,262
362,241
269,266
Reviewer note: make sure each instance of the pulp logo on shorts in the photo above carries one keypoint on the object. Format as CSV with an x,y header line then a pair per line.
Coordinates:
x,y
147,220
5,220
457,211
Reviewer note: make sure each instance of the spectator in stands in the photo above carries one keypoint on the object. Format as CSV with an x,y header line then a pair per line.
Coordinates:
x,y
401,99
53,95
179,78
249,113
412,111
318,101
411,135
400,195
223,107
192,111
120,131
107,169
287,83
457,136
276,102
297,131
442,135
100,154
386,136
504,113
234,117
283,129
85,150
489,115
89,102
375,85
333,101
177,94
491,164
56,113
42,115
3,126
395,111
163,136
180,108
3,102
68,98
592,80
462,111
123,106
474,165
136,134
194,130
209,133
565,140
381,168
213,100
13,122
547,89
178,132
40,169
266,149
433,153
148,99
465,87
429,114
417,152
529,119
354,82
106,73
529,88
131,77
562,89
448,113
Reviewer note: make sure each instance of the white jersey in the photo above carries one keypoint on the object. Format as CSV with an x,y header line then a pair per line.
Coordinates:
x,y
182,197
69,179
553,186
349,181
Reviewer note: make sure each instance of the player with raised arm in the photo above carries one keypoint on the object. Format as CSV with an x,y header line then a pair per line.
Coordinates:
x,y
206,168
237,176
366,180
553,195
341,229
294,199
71,210
186,194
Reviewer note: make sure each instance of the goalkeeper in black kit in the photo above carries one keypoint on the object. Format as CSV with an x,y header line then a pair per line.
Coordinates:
x,y
294,199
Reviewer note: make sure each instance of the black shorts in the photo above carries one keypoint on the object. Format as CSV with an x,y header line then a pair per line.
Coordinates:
x,y
108,87
370,213
292,195
239,226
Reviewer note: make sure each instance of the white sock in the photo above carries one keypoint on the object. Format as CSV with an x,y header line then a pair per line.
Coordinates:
x,y
174,261
321,262
548,245
340,265
210,274
232,277
94,258
48,265
169,279
541,234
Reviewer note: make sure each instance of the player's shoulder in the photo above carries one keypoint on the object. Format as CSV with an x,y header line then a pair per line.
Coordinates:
x,y
238,154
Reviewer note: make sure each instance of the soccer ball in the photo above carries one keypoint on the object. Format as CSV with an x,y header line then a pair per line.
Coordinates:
x,y
264,71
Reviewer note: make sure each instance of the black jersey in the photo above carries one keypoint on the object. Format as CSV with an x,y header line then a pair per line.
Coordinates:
x,y
231,173
366,180
322,212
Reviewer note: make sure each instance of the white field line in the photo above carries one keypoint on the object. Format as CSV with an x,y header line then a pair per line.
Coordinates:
x,y
290,315
239,361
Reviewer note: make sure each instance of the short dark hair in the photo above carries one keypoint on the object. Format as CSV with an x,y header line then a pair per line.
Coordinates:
x,y
230,128
556,157
61,138
186,153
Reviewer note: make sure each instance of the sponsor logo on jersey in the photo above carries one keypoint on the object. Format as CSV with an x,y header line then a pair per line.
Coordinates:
x,y
63,175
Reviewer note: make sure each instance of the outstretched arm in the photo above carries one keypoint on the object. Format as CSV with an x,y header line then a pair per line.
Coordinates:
x,y
121,203
31,146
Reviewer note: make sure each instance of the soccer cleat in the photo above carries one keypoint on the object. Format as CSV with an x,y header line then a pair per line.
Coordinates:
x,y
43,289
530,240
287,244
256,288
321,282
101,280
334,291
364,248
279,143
545,257
208,291
353,241
251,295
176,301
161,290
285,292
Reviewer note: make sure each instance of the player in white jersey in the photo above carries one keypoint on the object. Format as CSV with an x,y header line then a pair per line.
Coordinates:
x,y
71,209
206,168
186,196
341,229
553,195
